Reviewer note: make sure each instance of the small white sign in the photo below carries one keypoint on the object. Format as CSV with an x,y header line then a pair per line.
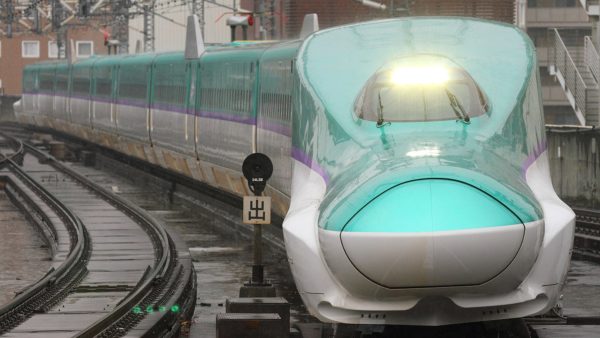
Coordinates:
x,y
257,210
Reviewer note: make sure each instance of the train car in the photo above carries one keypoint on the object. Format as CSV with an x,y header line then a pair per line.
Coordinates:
x,y
410,158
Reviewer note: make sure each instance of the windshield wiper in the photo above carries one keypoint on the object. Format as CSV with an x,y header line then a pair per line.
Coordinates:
x,y
458,108
380,121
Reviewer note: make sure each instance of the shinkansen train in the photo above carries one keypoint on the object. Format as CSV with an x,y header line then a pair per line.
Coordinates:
x,y
410,159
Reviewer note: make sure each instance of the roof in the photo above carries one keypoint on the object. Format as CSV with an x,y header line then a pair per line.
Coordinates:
x,y
498,56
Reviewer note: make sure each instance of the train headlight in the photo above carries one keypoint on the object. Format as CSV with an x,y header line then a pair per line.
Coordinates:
x,y
425,152
420,75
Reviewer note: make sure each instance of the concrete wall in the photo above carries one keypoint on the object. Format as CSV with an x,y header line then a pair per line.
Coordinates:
x,y
575,165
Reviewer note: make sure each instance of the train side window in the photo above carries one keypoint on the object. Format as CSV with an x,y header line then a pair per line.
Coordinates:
x,y
103,78
81,81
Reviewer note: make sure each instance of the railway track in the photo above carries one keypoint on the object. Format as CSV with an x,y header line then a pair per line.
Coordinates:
x,y
586,247
587,235
116,271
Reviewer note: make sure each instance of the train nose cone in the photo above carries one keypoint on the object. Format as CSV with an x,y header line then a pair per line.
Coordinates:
x,y
432,232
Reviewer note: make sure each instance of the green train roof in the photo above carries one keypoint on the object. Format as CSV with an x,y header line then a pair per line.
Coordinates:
x,y
499,57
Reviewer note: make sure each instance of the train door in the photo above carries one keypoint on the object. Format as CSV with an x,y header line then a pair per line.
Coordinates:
x,y
69,96
103,93
36,96
90,100
150,75
132,111
46,93
61,94
274,113
190,116
197,72
113,98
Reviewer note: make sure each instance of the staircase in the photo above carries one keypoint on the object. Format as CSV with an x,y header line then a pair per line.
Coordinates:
x,y
591,6
577,70
589,67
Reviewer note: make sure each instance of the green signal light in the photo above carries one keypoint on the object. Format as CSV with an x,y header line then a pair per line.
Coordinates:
x,y
175,308
137,310
149,309
162,308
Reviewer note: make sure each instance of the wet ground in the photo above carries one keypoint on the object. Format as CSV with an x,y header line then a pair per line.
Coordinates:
x,y
221,247
222,251
24,256
581,299
582,292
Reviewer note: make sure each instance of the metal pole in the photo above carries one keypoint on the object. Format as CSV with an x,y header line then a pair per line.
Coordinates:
x,y
259,10
10,18
199,11
36,21
61,40
120,27
194,7
148,28
257,267
272,27
595,31
64,50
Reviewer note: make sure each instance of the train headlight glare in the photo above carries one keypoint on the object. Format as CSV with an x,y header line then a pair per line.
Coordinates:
x,y
425,152
420,75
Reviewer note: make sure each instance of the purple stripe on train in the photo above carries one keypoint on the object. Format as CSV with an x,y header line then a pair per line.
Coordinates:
x,y
539,149
228,117
79,97
250,120
103,100
172,108
133,103
308,161
275,127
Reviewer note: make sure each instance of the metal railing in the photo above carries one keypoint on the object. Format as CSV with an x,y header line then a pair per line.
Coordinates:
x,y
591,58
590,6
573,81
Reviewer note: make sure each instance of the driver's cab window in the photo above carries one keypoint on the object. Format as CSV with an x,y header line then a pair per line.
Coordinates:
x,y
420,88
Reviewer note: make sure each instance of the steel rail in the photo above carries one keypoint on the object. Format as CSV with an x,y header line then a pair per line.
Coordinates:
x,y
151,286
587,234
168,283
55,285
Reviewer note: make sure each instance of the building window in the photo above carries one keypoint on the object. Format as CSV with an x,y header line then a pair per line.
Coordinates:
x,y
52,49
30,49
85,49
565,3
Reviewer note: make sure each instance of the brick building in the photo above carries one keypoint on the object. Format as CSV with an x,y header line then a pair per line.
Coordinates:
x,y
26,48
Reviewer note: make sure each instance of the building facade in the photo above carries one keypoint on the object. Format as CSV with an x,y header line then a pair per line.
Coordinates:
x,y
25,48
282,19
573,24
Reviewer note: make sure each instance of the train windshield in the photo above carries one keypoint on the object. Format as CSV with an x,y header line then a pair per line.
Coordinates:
x,y
431,89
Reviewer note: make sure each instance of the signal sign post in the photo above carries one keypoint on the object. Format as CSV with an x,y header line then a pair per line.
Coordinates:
x,y
257,169
257,211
